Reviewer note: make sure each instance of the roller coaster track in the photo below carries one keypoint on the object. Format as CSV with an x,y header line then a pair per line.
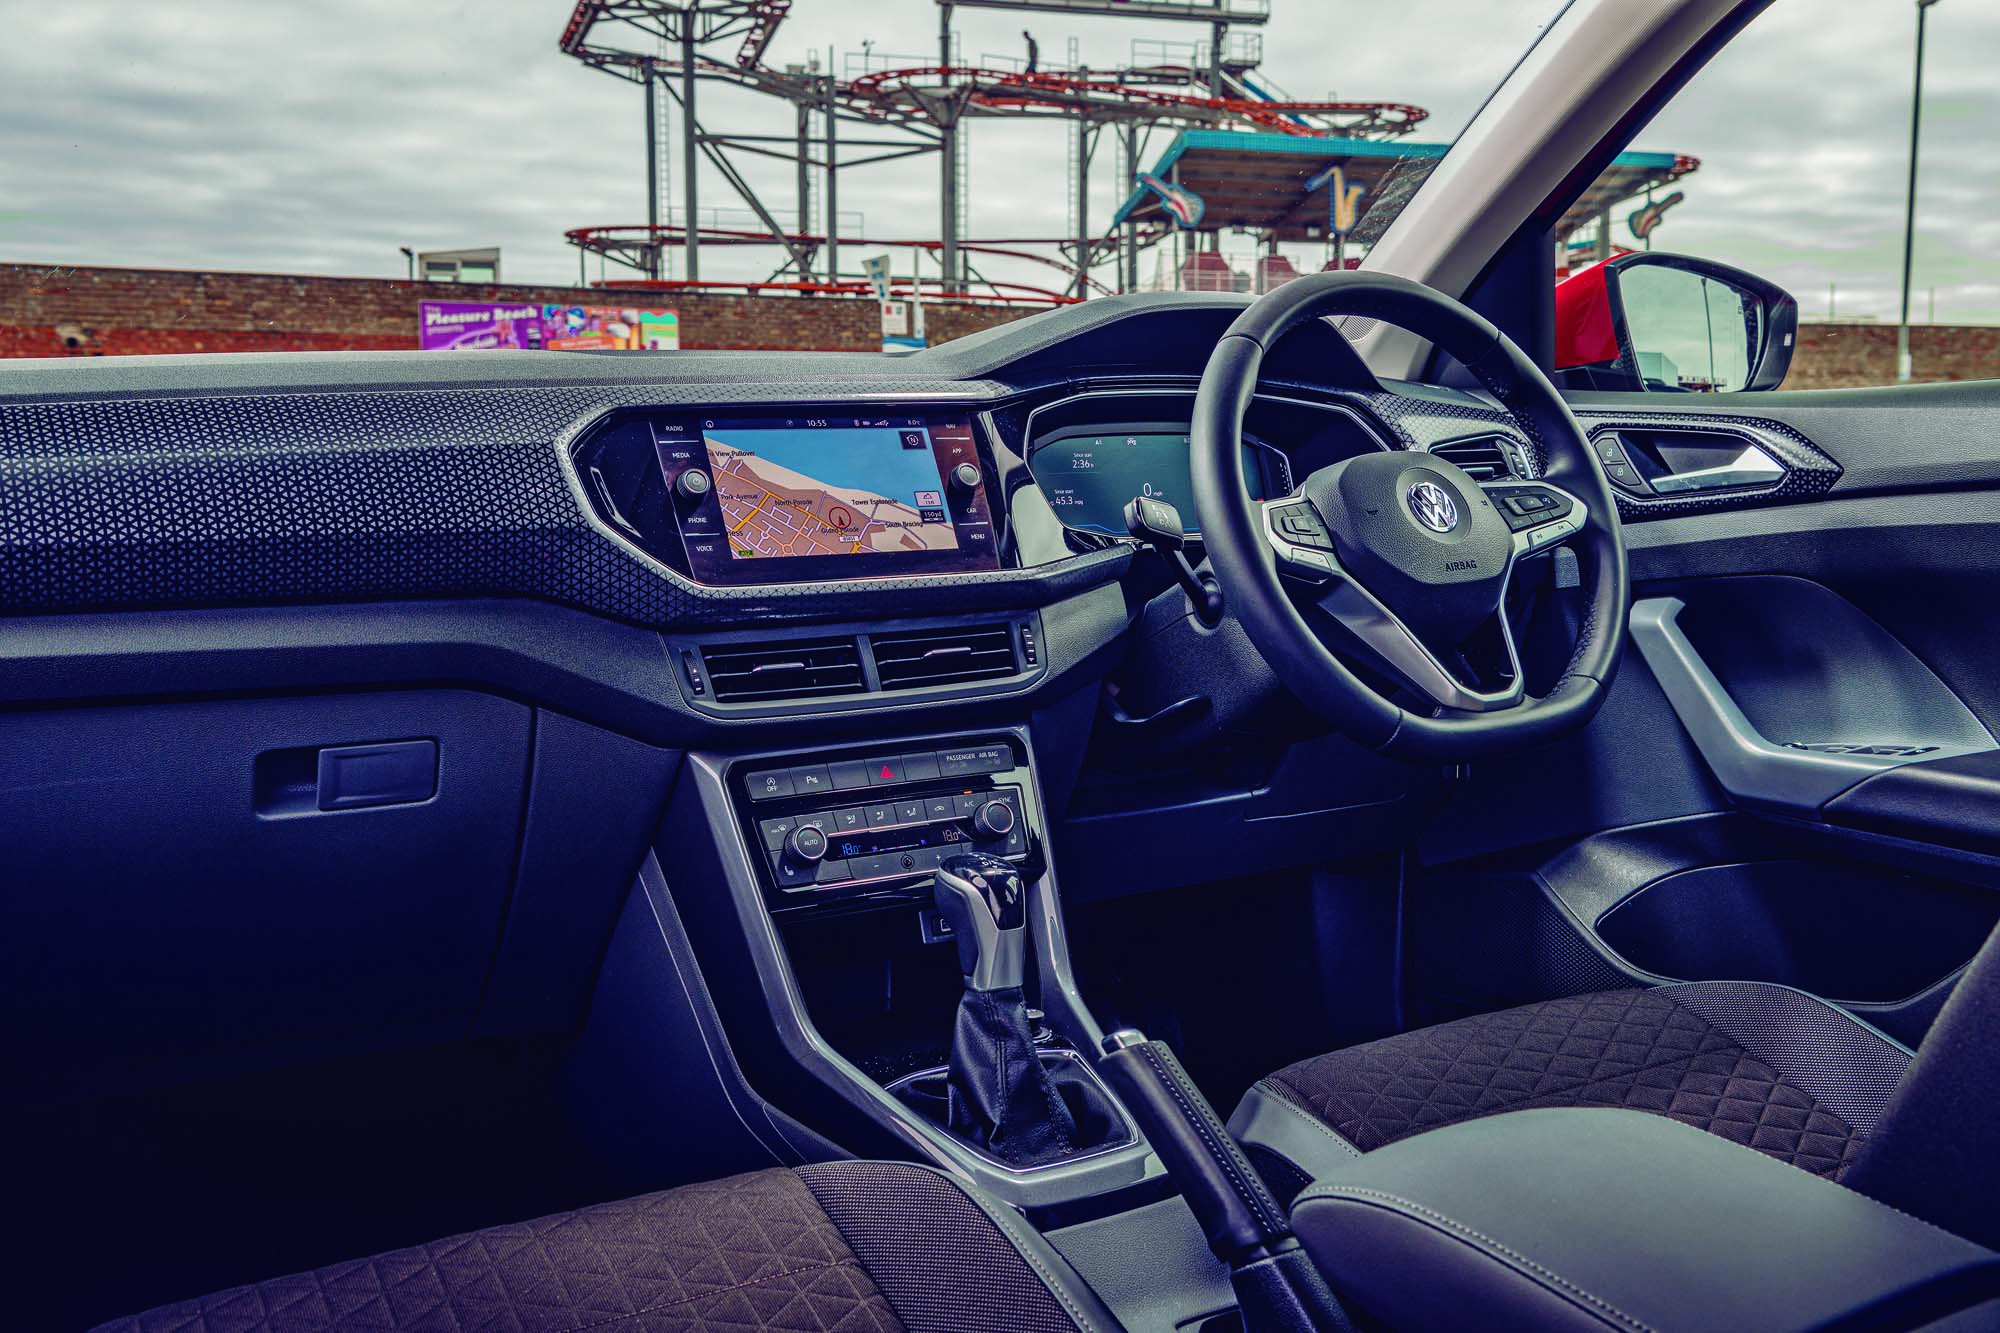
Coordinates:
x,y
899,93
625,241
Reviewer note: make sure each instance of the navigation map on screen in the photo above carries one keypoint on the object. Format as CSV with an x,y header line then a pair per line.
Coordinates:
x,y
777,498
828,491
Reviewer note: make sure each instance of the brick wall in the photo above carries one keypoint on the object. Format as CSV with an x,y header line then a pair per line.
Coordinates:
x,y
1832,356
56,311
48,310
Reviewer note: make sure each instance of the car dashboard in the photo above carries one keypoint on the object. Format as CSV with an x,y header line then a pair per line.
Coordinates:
x,y
453,655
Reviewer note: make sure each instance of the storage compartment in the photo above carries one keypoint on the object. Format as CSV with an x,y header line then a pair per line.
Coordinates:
x,y
165,916
1848,932
876,991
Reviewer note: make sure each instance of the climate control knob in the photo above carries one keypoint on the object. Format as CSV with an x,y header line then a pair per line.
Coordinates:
x,y
995,819
805,845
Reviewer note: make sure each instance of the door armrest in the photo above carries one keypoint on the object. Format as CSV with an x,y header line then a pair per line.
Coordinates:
x,y
1949,802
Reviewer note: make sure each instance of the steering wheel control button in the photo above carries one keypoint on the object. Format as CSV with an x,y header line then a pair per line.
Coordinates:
x,y
1551,534
1315,565
1297,523
769,784
1525,506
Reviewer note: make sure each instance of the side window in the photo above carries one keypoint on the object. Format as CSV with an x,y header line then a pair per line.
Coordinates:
x,y
1754,234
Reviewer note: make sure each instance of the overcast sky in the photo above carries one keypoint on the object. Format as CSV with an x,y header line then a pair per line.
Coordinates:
x,y
317,136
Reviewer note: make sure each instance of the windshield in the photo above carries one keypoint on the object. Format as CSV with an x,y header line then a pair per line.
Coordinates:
x,y
525,175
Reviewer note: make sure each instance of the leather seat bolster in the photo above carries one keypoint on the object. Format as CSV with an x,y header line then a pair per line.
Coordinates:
x,y
1289,1145
1575,1219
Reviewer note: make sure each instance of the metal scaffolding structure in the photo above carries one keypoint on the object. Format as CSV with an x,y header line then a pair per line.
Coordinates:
x,y
897,107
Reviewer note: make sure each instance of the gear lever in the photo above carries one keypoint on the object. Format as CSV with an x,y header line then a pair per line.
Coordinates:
x,y
1001,1096
980,897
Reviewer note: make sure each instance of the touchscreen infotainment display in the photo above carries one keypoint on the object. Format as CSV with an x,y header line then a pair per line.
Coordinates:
x,y
766,499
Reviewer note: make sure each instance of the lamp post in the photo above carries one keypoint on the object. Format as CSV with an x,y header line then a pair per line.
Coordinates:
x,y
410,257
1910,202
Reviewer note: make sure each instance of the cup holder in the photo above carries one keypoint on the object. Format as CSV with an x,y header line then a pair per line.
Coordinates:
x,y
1843,931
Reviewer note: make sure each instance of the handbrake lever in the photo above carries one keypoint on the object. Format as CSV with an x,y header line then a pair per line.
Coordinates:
x,y
1276,1284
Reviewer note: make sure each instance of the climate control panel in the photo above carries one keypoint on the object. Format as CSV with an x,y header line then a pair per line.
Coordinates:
x,y
832,826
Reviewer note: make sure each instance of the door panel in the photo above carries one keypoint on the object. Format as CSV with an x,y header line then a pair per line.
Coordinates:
x,y
1859,614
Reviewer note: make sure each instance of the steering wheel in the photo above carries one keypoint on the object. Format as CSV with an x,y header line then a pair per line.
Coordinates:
x,y
1402,556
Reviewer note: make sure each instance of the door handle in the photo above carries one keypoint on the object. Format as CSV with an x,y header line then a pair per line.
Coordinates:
x,y
1752,467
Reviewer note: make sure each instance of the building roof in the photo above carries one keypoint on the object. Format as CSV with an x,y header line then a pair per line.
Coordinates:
x,y
1257,182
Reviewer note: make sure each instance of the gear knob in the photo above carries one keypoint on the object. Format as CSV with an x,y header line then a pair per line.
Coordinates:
x,y
986,905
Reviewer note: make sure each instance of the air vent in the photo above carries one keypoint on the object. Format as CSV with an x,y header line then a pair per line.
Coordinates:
x,y
936,657
1485,459
801,669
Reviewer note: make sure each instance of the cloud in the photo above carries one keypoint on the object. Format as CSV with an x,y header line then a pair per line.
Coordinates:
x,y
319,138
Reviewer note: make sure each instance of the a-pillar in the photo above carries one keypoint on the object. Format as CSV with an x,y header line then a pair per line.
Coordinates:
x,y
690,148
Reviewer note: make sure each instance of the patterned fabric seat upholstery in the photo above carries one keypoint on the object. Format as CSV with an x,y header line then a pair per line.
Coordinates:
x,y
841,1247
1767,1066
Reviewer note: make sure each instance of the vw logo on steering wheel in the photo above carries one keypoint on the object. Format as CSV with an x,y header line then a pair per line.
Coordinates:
x,y
1433,507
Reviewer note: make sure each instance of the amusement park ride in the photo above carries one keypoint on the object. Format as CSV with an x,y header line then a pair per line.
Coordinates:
x,y
1243,156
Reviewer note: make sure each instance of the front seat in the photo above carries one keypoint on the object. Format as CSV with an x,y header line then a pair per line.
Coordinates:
x,y
840,1247
1767,1066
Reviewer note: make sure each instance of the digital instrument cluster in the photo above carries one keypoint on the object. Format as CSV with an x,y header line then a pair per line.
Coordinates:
x,y
1089,476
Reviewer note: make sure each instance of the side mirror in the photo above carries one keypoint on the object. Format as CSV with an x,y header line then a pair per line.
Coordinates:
x,y
1663,323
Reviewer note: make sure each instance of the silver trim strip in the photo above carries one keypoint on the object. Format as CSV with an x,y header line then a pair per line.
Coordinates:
x,y
1753,770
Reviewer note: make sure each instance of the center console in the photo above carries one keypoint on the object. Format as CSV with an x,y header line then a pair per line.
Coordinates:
x,y
810,882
